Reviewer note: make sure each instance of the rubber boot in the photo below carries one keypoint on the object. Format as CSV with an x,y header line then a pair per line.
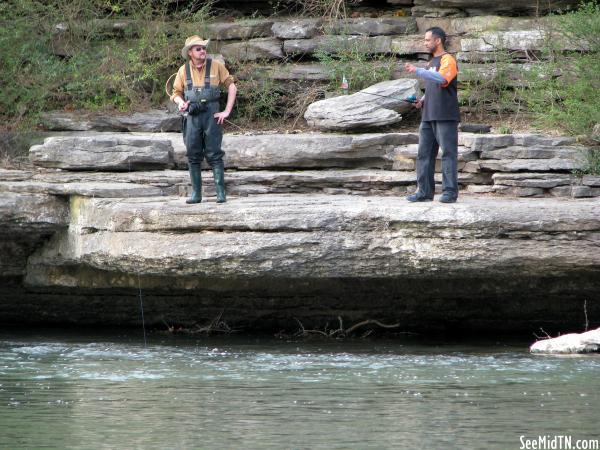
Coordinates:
x,y
196,178
219,175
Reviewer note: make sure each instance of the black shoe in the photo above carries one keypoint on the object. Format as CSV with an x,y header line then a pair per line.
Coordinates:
x,y
417,197
447,198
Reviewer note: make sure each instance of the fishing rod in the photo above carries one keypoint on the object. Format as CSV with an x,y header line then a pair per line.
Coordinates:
x,y
410,99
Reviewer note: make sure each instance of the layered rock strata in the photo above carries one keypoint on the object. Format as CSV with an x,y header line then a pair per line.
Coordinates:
x,y
316,227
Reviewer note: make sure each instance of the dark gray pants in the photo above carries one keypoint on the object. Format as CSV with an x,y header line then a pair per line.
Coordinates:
x,y
202,136
432,136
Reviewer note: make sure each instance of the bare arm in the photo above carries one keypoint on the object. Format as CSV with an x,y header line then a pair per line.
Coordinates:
x,y
231,93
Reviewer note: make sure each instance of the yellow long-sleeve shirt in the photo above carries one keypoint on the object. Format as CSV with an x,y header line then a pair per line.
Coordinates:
x,y
219,76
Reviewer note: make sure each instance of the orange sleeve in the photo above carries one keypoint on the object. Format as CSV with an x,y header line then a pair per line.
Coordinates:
x,y
448,69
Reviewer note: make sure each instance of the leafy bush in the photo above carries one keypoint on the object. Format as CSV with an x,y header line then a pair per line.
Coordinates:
x,y
259,100
570,101
353,59
496,91
64,54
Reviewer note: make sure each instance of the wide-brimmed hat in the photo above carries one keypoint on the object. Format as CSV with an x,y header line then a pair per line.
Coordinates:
x,y
190,42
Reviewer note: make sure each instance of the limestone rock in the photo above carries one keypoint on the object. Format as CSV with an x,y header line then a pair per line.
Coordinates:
x,y
335,44
239,183
111,152
414,44
378,26
288,72
523,40
320,237
26,220
301,46
513,74
108,28
477,24
377,105
569,343
561,191
99,189
436,12
575,191
14,175
282,151
532,152
332,182
150,121
253,50
297,28
525,7
483,58
591,180
479,189
516,191
531,165
474,128
24,213
410,151
533,180
313,150
246,29
489,142
584,191
596,132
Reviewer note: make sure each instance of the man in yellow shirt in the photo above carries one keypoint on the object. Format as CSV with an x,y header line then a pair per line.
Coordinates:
x,y
196,92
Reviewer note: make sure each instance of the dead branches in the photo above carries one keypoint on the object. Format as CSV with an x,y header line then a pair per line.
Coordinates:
x,y
338,333
215,326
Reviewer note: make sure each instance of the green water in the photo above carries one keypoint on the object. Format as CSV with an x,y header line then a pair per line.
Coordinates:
x,y
83,391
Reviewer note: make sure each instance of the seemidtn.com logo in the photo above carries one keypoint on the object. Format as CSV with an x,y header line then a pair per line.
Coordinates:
x,y
558,442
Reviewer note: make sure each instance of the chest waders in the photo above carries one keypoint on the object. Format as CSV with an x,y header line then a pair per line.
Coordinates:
x,y
202,135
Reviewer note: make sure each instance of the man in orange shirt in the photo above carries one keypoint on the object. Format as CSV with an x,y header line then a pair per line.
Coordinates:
x,y
196,92
439,121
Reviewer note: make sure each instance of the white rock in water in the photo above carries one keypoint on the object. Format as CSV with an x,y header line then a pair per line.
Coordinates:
x,y
569,343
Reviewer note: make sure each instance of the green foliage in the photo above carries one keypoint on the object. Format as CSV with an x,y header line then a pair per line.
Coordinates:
x,y
259,100
591,160
561,90
570,101
496,90
86,62
330,9
350,56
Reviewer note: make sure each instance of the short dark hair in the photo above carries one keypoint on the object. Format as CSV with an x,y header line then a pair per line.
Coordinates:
x,y
438,32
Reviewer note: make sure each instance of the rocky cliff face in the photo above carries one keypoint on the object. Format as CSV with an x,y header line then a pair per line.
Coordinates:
x,y
433,8
315,227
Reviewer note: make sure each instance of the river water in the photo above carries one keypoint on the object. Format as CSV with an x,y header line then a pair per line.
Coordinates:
x,y
108,391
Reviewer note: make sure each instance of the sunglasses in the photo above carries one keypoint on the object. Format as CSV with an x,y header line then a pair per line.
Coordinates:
x,y
199,48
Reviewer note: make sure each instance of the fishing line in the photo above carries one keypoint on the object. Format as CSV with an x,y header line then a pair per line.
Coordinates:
x,y
171,93
409,99
142,310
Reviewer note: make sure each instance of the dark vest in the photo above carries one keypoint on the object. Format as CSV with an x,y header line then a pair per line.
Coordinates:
x,y
441,103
